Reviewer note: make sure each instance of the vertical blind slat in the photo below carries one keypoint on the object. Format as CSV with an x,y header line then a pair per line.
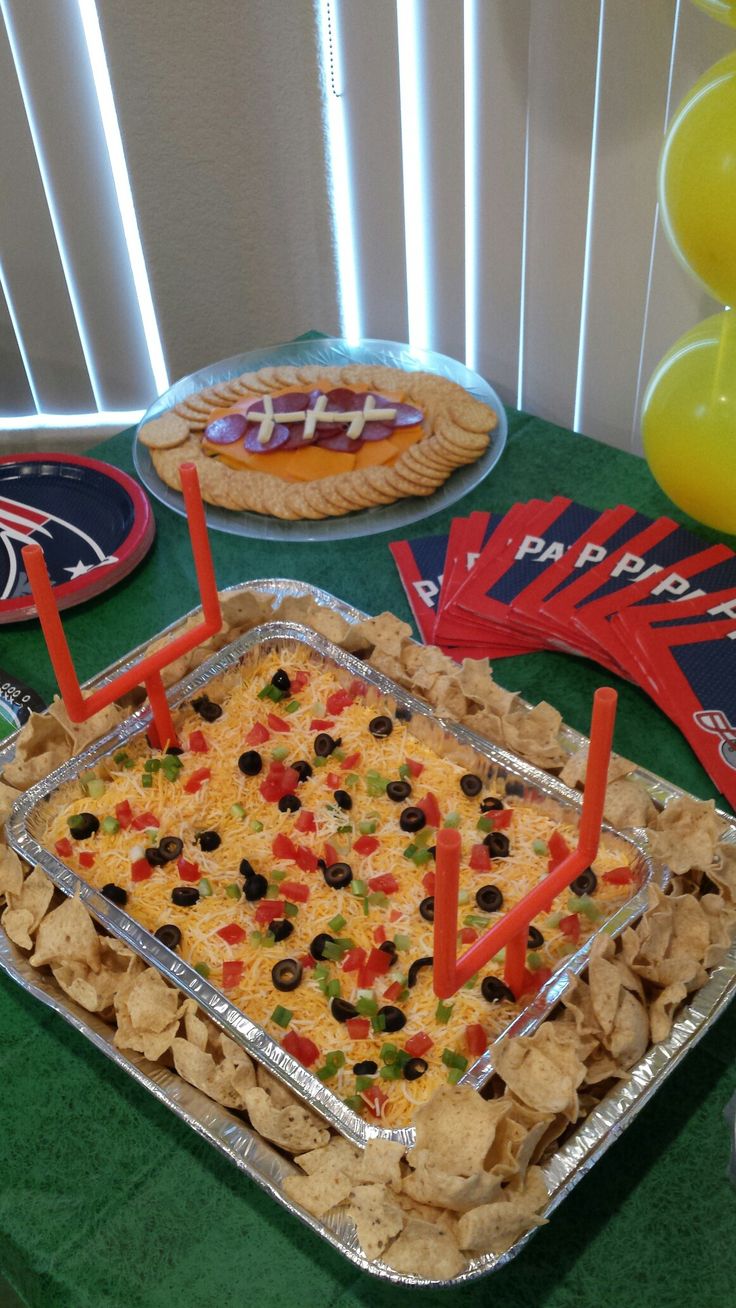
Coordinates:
x,y
562,63
31,264
15,393
50,41
369,92
230,187
500,50
637,43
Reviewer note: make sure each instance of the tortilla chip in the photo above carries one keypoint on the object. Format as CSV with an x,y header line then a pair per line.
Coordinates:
x,y
628,804
8,796
493,1228
542,1071
535,735
226,1082
338,1154
378,1218
427,1250
456,1128
661,1012
385,632
723,873
81,734
317,1193
629,1036
293,1128
196,1030
686,833
94,991
67,935
389,666
11,873
279,1094
246,609
488,724
574,772
448,697
379,1163
443,1189
41,746
147,1013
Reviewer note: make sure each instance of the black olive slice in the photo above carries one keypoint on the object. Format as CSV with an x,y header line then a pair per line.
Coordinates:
x,y
169,935
255,887
303,768
246,868
289,804
281,928
170,847
343,800
416,967
208,840
489,899
324,744
489,804
173,749
402,714
393,1017
250,763
493,989
412,819
83,825
281,680
498,844
426,908
535,939
398,791
381,726
115,894
388,947
366,1068
471,784
184,896
286,974
154,856
206,709
319,943
338,875
414,1068
342,1010
515,788
585,884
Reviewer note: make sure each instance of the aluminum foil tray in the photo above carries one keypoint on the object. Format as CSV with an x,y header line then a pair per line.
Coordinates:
x,y
265,1165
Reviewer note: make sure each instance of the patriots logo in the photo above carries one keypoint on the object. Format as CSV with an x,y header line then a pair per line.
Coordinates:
x,y
716,722
69,551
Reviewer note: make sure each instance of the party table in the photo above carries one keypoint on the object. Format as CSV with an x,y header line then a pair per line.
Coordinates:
x,y
107,1200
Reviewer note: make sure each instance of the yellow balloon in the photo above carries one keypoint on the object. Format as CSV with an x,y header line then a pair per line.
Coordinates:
x,y
697,180
689,422
723,10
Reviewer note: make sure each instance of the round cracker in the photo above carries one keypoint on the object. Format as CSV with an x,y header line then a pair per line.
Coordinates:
x,y
472,414
164,433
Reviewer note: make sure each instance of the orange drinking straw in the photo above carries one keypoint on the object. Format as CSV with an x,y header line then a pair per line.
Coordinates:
x,y
148,669
511,932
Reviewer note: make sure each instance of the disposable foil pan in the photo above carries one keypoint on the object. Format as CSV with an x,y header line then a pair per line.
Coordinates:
x,y
446,739
265,1165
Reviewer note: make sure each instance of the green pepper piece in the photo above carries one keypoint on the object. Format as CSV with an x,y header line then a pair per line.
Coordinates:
x,y
281,1016
110,825
336,923
484,824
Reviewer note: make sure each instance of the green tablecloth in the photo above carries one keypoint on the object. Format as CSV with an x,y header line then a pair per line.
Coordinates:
x,y
107,1200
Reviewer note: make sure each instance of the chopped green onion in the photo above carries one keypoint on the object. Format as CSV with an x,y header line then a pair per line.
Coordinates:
x,y
533,961
587,906
378,899
410,851
345,830
352,780
205,888
290,910
76,820
473,920
366,1006
554,920
203,969
333,989
320,971
423,837
421,857
272,890
326,1073
96,787
471,984
388,1053
333,950
463,897
452,1059
293,706
443,1012
336,1057
354,1102
379,1022
318,761
359,887
454,1074
278,874
404,770
255,825
281,1016
152,833
120,757
484,824
110,825
540,847
336,923
279,752
363,1083
452,820
392,1072
237,811
147,780
367,828
233,891
402,942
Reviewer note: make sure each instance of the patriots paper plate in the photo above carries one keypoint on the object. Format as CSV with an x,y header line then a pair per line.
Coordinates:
x,y
93,523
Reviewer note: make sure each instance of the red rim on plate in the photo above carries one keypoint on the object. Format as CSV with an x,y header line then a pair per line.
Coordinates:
x,y
93,522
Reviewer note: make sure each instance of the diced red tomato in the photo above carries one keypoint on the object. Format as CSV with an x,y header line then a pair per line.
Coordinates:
x,y
358,1028
295,891
87,860
354,959
415,768
480,858
63,848
257,735
298,681
393,991
283,847
195,782
269,909
357,687
351,761
305,859
468,935
394,915
278,724
501,818
332,781
378,962
570,927
278,782
188,871
375,1099
386,883
428,881
418,1044
476,1040
232,934
331,855
145,820
124,814
619,876
305,821
306,960
533,981
430,809
232,973
379,935
197,743
366,845
301,1048
558,849
320,724
365,979
141,870
338,700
